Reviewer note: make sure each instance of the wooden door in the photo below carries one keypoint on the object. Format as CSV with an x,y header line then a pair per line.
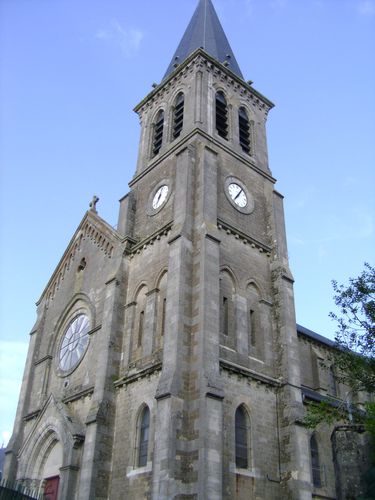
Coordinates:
x,y
51,488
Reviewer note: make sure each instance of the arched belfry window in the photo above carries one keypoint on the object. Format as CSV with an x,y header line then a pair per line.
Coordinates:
x,y
244,130
143,436
178,116
157,139
315,462
242,438
221,109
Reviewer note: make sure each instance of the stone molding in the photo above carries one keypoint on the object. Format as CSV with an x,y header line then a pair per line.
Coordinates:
x,y
245,238
150,240
145,372
247,373
196,61
91,228
78,395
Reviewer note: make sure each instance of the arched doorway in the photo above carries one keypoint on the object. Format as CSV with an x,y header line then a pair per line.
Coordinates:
x,y
50,470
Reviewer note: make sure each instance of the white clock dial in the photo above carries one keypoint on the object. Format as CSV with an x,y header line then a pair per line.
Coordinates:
x,y
237,194
160,197
74,342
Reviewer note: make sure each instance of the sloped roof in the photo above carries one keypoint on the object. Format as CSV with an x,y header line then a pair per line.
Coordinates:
x,y
315,336
205,31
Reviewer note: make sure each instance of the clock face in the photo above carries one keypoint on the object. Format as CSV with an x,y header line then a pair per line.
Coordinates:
x,y
160,197
237,194
74,342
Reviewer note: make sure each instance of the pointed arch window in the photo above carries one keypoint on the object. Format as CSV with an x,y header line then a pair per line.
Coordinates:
x,y
224,316
221,108
252,328
227,312
163,313
141,327
143,436
315,462
178,116
332,382
157,140
244,130
242,438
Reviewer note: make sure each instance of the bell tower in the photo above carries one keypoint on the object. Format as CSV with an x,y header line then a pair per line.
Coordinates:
x,y
203,207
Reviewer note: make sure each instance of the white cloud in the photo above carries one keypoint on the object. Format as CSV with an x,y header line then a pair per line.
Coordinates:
x,y
128,40
366,7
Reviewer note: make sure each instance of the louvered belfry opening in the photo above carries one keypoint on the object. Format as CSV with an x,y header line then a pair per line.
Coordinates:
x,y
158,133
244,129
221,115
178,115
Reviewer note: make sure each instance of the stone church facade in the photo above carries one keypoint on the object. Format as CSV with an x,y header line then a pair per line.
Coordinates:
x,y
165,362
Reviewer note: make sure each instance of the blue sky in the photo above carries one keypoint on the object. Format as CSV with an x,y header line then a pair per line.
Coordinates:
x,y
71,72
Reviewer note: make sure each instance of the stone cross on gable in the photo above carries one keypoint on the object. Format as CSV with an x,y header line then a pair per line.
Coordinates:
x,y
93,203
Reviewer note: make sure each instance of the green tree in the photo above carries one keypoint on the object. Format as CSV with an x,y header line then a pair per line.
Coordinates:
x,y
354,361
354,357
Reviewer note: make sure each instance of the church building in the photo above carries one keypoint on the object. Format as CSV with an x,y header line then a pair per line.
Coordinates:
x,y
165,362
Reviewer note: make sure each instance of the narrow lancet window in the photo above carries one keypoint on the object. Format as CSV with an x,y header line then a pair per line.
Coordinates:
x,y
158,133
140,328
178,116
244,130
143,436
315,462
163,313
332,382
252,328
242,428
221,115
225,316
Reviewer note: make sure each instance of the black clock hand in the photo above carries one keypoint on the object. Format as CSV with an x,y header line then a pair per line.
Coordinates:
x,y
238,194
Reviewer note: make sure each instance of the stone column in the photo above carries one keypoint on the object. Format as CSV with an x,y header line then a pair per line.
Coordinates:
x,y
242,325
175,350
129,330
97,452
206,351
294,453
150,322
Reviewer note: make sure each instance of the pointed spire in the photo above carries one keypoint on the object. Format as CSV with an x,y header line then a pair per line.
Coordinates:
x,y
205,31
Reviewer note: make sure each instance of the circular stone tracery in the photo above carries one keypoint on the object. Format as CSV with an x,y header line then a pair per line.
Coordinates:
x,y
74,343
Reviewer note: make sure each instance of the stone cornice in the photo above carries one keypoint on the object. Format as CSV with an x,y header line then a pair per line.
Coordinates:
x,y
133,377
150,240
229,229
182,144
201,58
42,360
32,415
246,372
78,395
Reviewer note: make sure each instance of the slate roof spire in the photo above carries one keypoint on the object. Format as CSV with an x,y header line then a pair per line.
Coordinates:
x,y
205,31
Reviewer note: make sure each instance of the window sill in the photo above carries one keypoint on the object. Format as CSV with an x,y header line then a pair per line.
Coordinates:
x,y
245,472
135,471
